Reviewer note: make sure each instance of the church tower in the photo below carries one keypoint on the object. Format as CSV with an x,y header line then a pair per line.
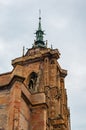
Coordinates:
x,y
33,94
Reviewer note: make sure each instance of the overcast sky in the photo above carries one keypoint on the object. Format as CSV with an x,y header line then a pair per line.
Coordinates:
x,y
64,22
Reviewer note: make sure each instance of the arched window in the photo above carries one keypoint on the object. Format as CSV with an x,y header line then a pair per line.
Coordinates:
x,y
32,81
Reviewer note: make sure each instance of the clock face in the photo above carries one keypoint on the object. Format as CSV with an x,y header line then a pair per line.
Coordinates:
x,y
32,82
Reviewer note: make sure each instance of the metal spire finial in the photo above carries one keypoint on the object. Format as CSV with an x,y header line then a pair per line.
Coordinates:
x,y
39,27
39,13
39,42
23,51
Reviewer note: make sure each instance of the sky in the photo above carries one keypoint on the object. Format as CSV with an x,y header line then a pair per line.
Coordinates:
x,y
64,22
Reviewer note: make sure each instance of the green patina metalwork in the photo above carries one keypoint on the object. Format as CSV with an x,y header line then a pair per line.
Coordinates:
x,y
39,32
39,42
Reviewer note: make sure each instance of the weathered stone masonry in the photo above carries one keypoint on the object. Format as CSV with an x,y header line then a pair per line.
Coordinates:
x,y
33,94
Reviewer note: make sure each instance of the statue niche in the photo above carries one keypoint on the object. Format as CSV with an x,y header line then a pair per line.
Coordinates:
x,y
32,82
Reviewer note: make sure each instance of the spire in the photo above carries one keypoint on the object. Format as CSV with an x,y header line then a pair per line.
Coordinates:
x,y
39,27
39,42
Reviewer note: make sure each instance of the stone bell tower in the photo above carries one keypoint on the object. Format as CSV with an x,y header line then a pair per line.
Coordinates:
x,y
33,94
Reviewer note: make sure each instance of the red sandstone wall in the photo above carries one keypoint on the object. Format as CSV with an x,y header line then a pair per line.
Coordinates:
x,y
24,123
38,120
4,98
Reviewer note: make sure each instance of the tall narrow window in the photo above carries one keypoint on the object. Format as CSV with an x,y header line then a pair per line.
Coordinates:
x,y
32,82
